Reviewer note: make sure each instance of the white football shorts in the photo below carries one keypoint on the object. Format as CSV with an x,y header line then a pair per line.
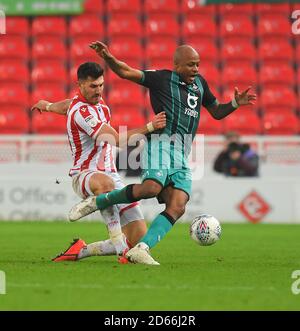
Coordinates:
x,y
81,186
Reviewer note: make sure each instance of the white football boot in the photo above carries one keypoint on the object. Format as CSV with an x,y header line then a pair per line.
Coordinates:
x,y
83,208
140,254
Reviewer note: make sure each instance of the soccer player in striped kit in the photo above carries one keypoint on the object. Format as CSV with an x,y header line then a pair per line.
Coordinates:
x,y
91,138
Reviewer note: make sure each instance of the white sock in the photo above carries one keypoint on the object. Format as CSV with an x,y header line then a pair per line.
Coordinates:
x,y
112,221
99,248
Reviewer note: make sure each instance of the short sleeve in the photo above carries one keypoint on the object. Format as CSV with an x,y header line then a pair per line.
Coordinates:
x,y
151,78
86,119
208,97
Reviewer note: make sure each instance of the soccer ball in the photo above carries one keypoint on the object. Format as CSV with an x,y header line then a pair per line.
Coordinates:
x,y
205,230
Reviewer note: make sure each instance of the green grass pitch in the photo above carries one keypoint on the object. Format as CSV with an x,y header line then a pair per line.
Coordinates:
x,y
248,269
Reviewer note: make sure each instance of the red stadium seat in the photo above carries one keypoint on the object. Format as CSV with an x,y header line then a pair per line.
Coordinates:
x,y
198,26
17,26
127,116
14,71
14,94
275,49
237,26
126,48
281,123
298,53
237,49
234,8
243,121
278,110
53,73
130,96
208,125
161,6
162,25
49,123
124,6
280,8
13,120
206,47
273,25
93,6
48,92
196,7
276,73
238,73
124,25
88,25
157,63
160,48
210,72
49,25
278,95
49,48
15,47
81,52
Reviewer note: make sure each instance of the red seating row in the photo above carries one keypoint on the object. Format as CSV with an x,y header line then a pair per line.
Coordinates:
x,y
14,120
161,24
249,123
233,49
237,72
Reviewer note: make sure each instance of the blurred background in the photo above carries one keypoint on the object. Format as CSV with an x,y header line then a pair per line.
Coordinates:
x,y
240,44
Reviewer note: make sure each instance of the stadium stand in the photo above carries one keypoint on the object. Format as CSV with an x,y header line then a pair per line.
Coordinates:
x,y
49,26
13,120
239,44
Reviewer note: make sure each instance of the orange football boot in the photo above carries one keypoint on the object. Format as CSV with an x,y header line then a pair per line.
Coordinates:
x,y
71,254
122,259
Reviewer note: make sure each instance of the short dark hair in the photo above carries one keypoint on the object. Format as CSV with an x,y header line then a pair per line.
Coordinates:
x,y
89,69
233,147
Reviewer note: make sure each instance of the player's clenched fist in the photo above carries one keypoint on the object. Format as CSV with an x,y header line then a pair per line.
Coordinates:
x,y
159,121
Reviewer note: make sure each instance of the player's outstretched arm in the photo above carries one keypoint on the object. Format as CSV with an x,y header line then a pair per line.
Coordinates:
x,y
122,69
219,111
110,135
60,107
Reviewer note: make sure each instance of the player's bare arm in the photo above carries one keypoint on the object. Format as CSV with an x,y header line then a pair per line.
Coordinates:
x,y
219,111
60,107
122,69
109,134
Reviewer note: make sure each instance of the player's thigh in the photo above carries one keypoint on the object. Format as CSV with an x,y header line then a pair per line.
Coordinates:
x,y
100,183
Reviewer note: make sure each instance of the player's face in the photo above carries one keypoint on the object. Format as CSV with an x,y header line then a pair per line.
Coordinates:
x,y
188,67
92,89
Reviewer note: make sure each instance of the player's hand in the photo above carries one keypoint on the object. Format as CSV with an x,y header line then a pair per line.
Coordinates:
x,y
101,49
159,121
41,106
244,98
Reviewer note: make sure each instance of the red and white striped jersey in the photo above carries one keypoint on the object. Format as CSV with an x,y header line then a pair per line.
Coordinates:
x,y
83,124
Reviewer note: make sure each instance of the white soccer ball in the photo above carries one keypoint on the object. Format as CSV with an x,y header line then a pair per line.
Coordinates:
x,y
205,230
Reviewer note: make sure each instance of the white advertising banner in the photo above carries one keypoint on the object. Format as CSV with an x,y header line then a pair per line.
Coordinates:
x,y
230,200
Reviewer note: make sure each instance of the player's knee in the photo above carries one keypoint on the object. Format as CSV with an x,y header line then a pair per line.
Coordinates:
x,y
104,186
151,190
176,211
